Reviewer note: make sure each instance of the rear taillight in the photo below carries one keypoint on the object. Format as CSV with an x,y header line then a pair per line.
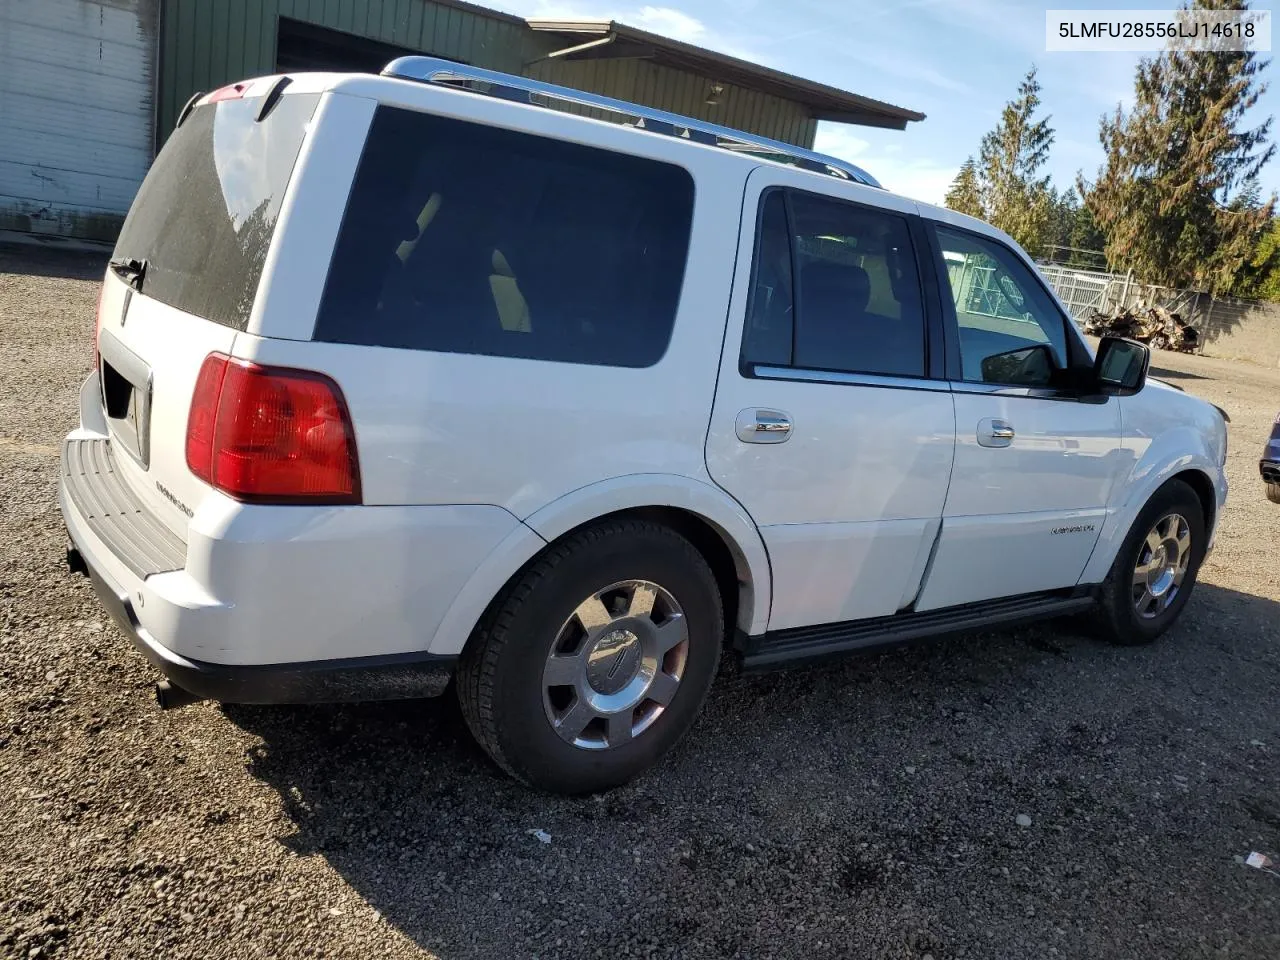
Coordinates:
x,y
232,91
271,434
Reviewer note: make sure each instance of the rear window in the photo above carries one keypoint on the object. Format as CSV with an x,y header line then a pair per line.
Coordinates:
x,y
464,238
206,211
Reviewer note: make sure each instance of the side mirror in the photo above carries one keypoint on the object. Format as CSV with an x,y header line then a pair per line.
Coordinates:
x,y
1025,367
1120,366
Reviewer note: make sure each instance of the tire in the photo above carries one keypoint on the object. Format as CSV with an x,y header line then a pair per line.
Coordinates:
x,y
504,679
1119,614
1273,492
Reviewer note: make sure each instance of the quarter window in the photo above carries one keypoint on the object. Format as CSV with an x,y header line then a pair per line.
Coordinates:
x,y
834,287
1010,330
465,238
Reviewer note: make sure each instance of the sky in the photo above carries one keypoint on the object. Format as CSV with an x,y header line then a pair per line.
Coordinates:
x,y
957,61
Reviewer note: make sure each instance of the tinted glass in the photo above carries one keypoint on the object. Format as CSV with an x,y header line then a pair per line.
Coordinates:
x,y
767,338
207,209
858,304
1002,312
471,239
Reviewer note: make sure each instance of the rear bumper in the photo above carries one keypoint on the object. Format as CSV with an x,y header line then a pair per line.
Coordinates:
x,y
1270,470
393,677
278,604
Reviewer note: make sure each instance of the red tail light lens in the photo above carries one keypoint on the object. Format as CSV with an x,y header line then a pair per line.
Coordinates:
x,y
232,91
271,434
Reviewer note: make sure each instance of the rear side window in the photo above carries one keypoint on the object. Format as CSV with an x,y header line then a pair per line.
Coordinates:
x,y
464,238
835,288
205,214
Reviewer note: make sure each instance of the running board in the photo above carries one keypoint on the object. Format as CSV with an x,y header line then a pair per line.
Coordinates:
x,y
787,647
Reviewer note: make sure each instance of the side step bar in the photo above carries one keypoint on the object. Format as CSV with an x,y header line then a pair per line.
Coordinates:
x,y
788,647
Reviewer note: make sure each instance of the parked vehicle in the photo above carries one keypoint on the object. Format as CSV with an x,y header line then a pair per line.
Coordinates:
x,y
400,381
1270,463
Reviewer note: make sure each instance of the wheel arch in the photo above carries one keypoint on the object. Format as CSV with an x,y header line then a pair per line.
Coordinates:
x,y
1180,454
716,525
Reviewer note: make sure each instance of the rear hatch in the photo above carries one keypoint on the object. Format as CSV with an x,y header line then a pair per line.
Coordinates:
x,y
185,274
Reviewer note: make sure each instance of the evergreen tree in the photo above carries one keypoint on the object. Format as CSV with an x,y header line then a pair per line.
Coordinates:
x,y
1015,197
1260,276
965,193
1175,163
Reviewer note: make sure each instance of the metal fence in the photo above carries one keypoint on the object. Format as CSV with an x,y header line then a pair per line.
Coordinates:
x,y
1084,291
1237,327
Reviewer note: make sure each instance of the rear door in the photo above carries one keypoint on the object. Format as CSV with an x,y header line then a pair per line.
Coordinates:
x,y
1036,457
828,426
184,278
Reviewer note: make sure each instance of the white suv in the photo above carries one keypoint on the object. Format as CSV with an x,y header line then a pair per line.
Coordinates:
x,y
411,377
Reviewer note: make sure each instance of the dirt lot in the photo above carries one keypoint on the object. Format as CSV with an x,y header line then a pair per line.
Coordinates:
x,y
866,809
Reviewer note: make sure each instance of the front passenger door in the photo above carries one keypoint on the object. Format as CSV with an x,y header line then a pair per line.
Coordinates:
x,y
1037,453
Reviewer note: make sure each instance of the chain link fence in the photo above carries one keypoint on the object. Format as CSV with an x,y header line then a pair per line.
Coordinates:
x,y
1228,326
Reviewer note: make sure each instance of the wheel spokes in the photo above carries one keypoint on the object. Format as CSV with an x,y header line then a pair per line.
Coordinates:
x,y
1140,574
618,727
1184,543
671,634
562,671
573,721
663,688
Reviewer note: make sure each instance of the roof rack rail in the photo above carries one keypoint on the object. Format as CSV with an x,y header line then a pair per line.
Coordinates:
x,y
524,90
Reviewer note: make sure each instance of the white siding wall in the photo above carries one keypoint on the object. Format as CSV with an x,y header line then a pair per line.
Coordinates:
x,y
77,82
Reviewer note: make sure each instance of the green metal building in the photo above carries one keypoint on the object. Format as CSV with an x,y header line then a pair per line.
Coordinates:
x,y
84,138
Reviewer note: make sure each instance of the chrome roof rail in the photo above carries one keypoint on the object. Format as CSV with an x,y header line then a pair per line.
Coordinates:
x,y
446,72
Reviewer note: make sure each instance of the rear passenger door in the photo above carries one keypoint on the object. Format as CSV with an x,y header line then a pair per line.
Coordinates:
x,y
832,425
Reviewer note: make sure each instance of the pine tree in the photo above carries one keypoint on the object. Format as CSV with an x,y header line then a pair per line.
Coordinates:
x,y
1015,197
1174,164
965,193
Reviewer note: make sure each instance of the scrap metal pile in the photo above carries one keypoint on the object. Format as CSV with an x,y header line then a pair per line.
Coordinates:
x,y
1157,327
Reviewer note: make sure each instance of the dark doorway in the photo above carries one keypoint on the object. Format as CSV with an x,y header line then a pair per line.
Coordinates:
x,y
305,46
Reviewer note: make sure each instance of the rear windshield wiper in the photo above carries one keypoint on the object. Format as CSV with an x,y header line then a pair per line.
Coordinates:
x,y
131,271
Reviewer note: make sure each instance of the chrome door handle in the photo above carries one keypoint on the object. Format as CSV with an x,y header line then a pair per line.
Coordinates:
x,y
995,433
763,426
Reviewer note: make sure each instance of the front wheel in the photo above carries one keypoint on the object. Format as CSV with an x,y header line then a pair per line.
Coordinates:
x,y
596,660
1155,570
1273,492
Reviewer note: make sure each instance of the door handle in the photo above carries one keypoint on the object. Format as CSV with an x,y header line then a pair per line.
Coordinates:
x,y
995,433
763,426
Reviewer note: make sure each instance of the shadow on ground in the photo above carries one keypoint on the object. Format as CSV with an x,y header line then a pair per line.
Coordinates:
x,y
865,806
51,262
1164,374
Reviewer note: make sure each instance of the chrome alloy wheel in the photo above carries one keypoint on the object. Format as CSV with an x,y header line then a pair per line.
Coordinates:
x,y
1161,565
615,665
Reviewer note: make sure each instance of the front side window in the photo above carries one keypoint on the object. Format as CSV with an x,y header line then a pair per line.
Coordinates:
x,y
464,238
1010,330
835,287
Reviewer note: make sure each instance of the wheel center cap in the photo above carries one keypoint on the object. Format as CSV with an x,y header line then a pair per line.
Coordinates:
x,y
613,661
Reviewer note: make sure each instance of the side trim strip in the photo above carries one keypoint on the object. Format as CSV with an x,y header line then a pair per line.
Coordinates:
x,y
854,379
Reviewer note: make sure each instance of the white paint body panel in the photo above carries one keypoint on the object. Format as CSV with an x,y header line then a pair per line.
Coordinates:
x,y
1024,518
1167,432
470,465
848,503
77,82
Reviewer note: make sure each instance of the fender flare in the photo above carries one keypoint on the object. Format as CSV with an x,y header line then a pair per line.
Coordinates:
x,y
1178,451
698,497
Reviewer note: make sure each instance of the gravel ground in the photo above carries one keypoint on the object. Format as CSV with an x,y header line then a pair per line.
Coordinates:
x,y
1011,795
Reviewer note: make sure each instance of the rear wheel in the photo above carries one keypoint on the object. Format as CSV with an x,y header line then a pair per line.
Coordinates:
x,y
596,661
1273,492
1155,570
